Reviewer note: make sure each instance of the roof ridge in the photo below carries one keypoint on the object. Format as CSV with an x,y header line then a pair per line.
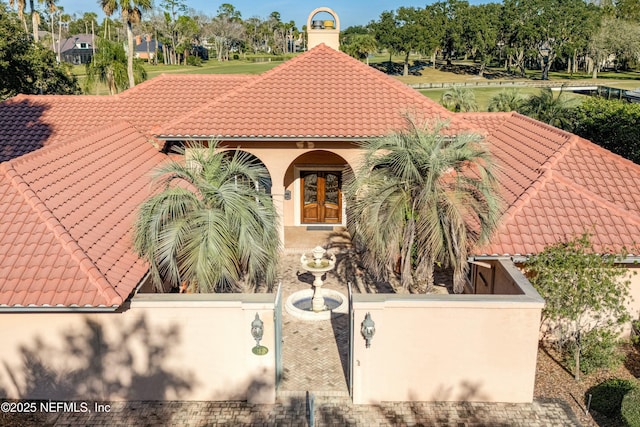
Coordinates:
x,y
63,236
547,126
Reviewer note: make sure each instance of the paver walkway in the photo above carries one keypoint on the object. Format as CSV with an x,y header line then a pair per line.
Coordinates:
x,y
328,411
315,353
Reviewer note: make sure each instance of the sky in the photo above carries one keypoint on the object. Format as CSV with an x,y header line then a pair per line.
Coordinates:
x,y
350,12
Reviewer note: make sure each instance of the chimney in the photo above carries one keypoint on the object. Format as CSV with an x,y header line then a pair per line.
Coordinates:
x,y
138,40
325,31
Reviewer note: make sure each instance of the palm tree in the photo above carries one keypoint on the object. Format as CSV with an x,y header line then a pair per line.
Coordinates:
x,y
20,5
553,110
422,198
210,227
109,66
131,13
459,99
507,100
360,46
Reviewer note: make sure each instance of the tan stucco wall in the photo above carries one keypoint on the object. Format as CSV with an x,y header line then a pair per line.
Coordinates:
x,y
447,351
157,349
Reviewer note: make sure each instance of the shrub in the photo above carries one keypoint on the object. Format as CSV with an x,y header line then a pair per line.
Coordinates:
x,y
600,349
606,397
630,408
194,61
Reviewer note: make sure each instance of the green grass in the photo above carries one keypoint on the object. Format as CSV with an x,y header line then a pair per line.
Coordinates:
x,y
484,95
208,67
623,80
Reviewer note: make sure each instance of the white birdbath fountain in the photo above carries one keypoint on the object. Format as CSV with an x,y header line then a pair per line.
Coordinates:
x,y
318,267
319,303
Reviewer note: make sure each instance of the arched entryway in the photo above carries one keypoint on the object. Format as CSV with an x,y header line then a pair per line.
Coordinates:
x,y
314,182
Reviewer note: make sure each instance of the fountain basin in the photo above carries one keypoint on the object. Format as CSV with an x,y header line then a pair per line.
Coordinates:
x,y
299,305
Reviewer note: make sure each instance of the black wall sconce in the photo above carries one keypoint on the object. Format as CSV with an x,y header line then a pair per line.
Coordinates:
x,y
368,329
257,331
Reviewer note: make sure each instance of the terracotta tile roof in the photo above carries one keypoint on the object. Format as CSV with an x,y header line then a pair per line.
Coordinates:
x,y
29,122
322,93
557,186
65,218
166,97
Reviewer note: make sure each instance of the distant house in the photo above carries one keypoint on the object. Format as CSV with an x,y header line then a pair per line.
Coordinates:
x,y
146,47
77,49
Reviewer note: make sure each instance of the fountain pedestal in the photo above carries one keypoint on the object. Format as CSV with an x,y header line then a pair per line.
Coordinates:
x,y
318,267
319,303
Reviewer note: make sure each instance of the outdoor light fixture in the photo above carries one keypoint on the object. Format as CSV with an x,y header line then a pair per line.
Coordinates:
x,y
257,330
368,329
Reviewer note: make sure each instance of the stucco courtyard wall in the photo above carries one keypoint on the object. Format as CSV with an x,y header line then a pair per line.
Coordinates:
x,y
448,347
161,347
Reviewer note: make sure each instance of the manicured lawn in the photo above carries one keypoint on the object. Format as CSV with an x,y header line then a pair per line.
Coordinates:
x,y
484,94
209,67
623,80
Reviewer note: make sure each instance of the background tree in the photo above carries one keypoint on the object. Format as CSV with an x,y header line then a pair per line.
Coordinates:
x,y
109,66
459,99
226,31
612,124
617,38
171,10
401,32
20,6
26,67
131,11
586,295
209,227
507,100
481,25
456,15
415,201
359,46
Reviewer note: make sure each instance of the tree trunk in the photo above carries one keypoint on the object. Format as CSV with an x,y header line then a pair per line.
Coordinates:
x,y
406,272
34,22
405,71
433,59
577,359
53,39
132,82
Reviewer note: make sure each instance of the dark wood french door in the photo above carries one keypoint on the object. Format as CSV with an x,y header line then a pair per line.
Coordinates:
x,y
321,197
